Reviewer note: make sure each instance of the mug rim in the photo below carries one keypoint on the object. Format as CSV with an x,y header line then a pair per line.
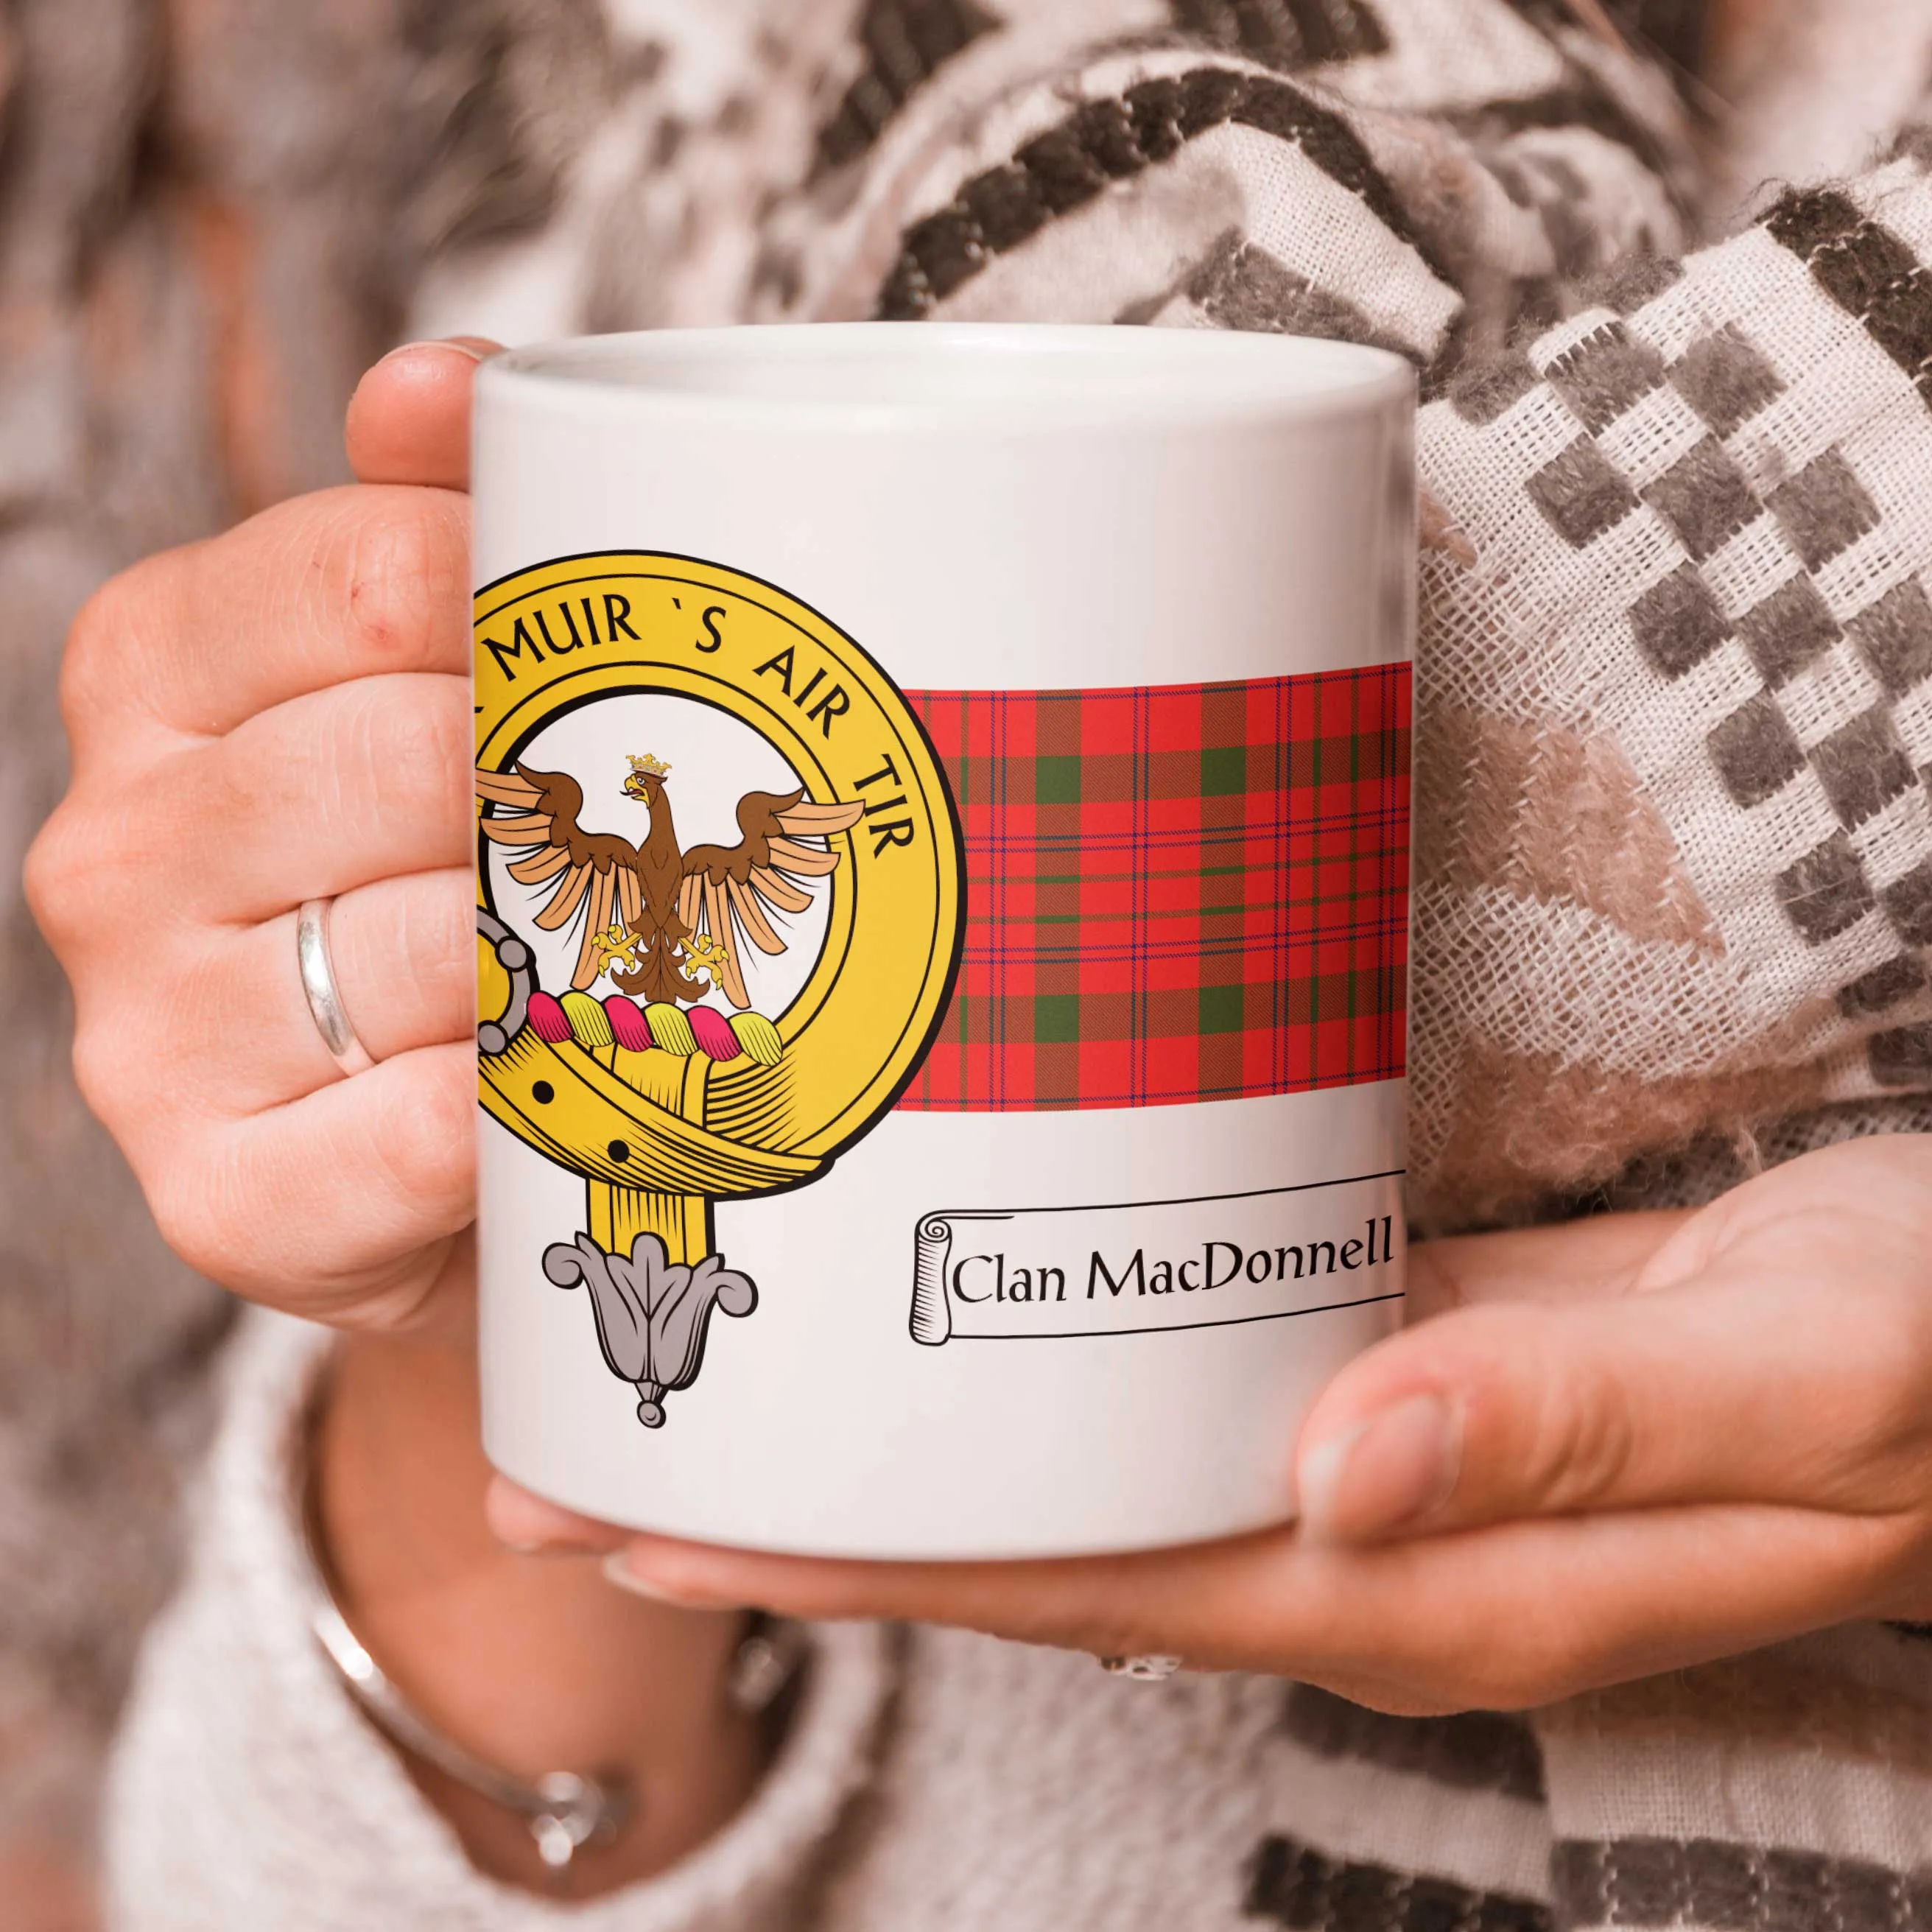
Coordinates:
x,y
1214,377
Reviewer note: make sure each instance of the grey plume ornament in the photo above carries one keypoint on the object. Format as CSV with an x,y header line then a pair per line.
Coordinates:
x,y
652,1313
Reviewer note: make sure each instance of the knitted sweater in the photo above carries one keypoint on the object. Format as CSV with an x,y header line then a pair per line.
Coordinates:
x,y
1673,893
937,1781
1673,898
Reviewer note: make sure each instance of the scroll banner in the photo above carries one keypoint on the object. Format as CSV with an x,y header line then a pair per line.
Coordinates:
x,y
1137,1268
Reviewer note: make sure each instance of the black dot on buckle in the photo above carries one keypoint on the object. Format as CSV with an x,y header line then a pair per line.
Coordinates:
x,y
619,1150
543,1093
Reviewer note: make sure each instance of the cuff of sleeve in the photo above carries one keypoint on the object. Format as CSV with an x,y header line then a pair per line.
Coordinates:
x,y
248,1791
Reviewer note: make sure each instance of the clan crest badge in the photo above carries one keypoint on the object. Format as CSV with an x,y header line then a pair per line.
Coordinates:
x,y
719,912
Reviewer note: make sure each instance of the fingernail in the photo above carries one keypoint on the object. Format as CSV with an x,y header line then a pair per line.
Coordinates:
x,y
1386,1473
617,1569
462,345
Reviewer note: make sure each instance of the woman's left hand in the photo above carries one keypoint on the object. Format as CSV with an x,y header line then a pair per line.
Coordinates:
x,y
1602,1450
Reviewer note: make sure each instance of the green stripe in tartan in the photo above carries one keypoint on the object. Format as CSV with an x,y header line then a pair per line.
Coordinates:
x,y
1186,893
1213,772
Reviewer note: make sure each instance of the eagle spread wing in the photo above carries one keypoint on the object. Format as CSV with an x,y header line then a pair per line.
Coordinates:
x,y
729,891
597,869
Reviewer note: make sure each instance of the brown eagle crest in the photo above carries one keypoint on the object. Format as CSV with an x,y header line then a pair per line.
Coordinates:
x,y
665,897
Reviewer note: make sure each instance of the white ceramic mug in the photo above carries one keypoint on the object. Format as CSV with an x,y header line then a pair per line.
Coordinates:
x,y
942,860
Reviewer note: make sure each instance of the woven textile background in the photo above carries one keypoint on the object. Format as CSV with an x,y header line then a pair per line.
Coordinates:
x,y
1190,893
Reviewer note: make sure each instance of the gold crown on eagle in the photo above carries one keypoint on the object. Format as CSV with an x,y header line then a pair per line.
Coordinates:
x,y
651,764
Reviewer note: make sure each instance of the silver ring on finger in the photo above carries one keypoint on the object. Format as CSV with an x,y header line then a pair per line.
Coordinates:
x,y
325,997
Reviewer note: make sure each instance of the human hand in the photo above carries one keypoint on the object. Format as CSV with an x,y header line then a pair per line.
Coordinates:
x,y
278,714
1604,1450
534,1666
46,1890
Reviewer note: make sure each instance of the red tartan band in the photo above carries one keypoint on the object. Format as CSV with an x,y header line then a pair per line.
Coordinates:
x,y
1192,893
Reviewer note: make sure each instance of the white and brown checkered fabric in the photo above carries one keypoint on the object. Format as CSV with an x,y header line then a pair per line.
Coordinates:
x,y
1699,504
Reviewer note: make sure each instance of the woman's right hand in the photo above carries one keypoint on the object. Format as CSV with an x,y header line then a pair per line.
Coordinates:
x,y
281,713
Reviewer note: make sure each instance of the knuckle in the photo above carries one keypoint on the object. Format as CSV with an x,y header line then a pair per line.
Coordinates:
x,y
424,1132
86,856
1406,1702
420,737
1558,1416
94,664
1454,1663
438,930
1594,1438
1874,1452
128,1068
383,758
116,639
390,565
387,589
414,934
99,1069
1889,1554
408,742
1540,1665
52,876
1513,1688
1909,1383
184,1200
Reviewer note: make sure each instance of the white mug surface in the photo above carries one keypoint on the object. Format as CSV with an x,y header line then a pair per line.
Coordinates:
x,y
942,909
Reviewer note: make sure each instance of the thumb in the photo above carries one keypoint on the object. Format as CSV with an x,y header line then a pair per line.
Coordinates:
x,y
1747,1389
409,420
